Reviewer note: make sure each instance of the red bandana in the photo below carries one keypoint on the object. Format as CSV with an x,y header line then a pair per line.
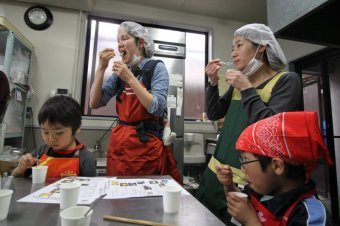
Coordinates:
x,y
292,136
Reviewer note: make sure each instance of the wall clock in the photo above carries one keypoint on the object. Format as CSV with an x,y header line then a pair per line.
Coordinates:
x,y
38,17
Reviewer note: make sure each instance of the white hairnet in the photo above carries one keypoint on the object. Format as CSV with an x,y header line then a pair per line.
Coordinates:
x,y
263,35
138,31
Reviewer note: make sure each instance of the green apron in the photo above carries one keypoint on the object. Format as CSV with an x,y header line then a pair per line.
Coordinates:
x,y
211,191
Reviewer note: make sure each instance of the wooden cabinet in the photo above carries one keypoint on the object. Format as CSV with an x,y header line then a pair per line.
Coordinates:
x,y
15,61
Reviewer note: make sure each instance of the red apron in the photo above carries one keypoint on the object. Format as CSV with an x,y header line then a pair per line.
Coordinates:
x,y
268,219
127,155
62,167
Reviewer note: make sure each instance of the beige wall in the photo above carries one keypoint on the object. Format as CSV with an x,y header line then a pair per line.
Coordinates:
x,y
55,50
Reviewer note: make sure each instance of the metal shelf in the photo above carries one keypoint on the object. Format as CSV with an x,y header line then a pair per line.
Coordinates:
x,y
20,87
13,135
16,58
6,25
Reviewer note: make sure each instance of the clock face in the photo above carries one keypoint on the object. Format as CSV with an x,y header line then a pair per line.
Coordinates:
x,y
38,18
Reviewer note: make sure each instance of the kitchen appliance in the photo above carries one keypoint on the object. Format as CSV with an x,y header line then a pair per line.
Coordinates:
x,y
170,48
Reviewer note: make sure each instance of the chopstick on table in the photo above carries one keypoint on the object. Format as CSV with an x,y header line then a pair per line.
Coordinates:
x,y
133,221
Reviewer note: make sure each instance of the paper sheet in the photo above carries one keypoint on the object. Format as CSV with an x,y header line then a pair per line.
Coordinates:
x,y
93,187
128,188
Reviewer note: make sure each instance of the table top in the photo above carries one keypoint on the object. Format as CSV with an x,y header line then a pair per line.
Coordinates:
x,y
192,212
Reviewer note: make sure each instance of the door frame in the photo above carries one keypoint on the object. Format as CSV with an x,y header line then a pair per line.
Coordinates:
x,y
322,57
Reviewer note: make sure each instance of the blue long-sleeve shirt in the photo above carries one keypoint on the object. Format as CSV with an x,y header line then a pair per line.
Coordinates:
x,y
159,88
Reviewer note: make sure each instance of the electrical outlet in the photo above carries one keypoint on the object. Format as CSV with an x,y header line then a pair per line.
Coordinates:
x,y
29,112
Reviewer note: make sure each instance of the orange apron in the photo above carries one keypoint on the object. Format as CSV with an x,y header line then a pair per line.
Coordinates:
x,y
62,167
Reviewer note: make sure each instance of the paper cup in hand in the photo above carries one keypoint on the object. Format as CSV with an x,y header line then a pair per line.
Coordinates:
x,y
69,193
5,200
75,216
239,194
39,174
243,196
171,198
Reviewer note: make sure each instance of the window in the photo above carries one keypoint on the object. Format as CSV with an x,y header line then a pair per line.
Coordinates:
x,y
195,61
102,33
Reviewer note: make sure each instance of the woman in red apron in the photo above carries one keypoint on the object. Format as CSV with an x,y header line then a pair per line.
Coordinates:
x,y
135,146
277,156
60,120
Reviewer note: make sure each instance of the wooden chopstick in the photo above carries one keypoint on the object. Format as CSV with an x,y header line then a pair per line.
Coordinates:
x,y
133,221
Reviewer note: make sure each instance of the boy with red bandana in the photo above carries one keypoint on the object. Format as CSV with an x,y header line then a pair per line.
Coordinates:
x,y
277,156
59,119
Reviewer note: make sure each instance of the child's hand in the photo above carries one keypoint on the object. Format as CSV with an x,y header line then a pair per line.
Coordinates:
x,y
26,161
242,210
224,175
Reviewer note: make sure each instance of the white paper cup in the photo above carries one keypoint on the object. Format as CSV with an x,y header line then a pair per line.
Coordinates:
x,y
75,216
171,199
39,174
239,194
5,200
243,196
69,193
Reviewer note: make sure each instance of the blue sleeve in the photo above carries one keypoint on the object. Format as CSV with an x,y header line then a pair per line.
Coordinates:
x,y
310,212
109,90
159,90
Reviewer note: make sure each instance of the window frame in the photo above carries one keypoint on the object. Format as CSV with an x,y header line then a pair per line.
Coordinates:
x,y
85,88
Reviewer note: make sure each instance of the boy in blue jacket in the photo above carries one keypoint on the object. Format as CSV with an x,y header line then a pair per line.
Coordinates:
x,y
277,155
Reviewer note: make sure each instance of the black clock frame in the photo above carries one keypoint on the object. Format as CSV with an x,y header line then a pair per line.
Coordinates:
x,y
39,27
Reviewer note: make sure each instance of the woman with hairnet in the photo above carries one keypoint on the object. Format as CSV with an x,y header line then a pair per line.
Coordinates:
x,y
259,88
140,86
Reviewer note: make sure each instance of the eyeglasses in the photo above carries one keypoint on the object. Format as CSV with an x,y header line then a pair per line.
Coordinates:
x,y
243,162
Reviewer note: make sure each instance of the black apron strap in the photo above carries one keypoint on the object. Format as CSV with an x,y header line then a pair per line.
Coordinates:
x,y
143,137
140,129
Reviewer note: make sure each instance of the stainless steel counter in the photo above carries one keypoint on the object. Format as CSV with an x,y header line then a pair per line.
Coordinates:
x,y
192,212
